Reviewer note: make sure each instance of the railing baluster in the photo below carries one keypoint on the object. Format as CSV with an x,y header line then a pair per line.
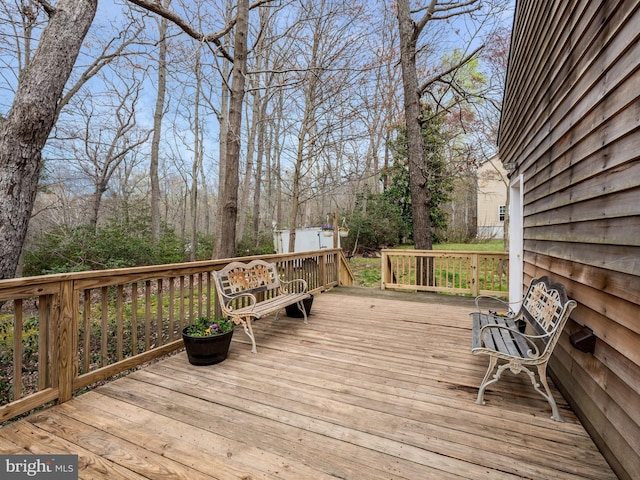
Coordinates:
x,y
17,349
43,342
159,315
191,293
134,318
105,326
86,313
200,296
210,294
120,327
172,326
182,319
147,315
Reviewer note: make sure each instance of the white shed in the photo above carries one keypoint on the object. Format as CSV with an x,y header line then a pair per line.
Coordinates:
x,y
307,239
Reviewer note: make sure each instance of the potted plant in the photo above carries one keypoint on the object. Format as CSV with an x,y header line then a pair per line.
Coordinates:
x,y
207,342
327,230
343,230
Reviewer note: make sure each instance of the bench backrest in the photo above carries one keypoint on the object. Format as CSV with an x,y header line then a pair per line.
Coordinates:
x,y
546,308
255,277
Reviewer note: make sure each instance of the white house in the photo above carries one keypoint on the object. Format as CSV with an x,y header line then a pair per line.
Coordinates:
x,y
492,198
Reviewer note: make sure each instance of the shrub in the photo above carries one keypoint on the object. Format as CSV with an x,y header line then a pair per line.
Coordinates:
x,y
72,249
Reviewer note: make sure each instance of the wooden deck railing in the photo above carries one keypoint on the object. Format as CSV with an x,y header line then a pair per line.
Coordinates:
x,y
62,333
463,272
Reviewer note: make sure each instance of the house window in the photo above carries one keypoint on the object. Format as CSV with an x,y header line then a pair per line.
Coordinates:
x,y
502,210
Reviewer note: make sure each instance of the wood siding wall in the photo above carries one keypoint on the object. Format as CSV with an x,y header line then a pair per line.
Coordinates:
x,y
570,127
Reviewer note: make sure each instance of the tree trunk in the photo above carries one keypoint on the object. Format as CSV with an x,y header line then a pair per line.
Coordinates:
x,y
24,132
420,199
243,220
276,168
222,164
308,119
223,120
197,158
228,203
258,177
157,129
100,188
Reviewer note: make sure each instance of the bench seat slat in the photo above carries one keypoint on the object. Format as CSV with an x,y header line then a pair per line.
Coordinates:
x,y
498,339
271,305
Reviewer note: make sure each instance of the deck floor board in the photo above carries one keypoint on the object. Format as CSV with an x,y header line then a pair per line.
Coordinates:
x,y
374,387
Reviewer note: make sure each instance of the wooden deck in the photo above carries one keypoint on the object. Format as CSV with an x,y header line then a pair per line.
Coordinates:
x,y
375,387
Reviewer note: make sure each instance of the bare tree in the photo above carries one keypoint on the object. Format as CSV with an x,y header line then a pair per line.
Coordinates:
x,y
329,70
410,32
317,128
107,136
35,107
197,154
228,204
25,130
158,115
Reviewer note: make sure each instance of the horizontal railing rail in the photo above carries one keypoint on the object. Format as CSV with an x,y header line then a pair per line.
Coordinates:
x,y
62,333
445,271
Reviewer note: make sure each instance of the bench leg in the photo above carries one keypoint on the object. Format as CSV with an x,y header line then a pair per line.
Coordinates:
x,y
485,381
542,373
246,324
300,305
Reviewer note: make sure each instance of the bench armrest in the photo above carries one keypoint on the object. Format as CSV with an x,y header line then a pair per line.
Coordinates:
x,y
509,312
229,310
287,284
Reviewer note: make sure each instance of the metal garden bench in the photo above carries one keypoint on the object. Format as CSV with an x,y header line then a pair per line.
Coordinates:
x,y
523,339
248,291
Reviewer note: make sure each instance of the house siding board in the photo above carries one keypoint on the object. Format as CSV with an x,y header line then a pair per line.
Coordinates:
x,y
561,45
571,126
581,109
534,74
609,231
611,193
612,442
610,281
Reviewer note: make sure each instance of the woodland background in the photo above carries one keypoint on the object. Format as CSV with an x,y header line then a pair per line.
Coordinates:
x,y
133,168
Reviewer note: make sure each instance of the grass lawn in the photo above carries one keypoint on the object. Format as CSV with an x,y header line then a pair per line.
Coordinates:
x,y
367,270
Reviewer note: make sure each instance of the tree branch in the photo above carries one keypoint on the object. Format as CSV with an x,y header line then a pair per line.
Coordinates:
x,y
455,14
433,9
188,29
48,8
419,26
436,78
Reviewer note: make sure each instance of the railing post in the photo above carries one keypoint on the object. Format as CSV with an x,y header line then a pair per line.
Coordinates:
x,y
323,269
386,270
64,322
475,280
